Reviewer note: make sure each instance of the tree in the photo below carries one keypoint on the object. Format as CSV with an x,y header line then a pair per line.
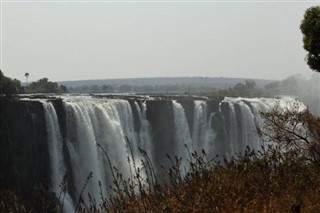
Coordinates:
x,y
310,28
45,86
27,76
107,88
292,129
9,86
125,88
250,84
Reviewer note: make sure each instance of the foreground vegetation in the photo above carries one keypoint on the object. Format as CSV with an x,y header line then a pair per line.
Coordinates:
x,y
255,182
252,183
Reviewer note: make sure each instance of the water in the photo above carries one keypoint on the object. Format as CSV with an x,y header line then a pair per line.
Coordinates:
x,y
58,169
74,150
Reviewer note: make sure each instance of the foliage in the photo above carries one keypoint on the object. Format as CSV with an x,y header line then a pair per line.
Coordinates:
x,y
45,86
293,129
9,202
247,89
252,182
310,28
128,88
9,86
295,85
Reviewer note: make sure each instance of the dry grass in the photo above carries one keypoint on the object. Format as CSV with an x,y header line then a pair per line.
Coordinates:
x,y
252,183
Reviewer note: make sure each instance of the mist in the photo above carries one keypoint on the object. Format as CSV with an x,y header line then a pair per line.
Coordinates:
x,y
305,89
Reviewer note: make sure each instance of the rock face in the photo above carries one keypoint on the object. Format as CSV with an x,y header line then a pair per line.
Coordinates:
x,y
160,115
24,150
24,156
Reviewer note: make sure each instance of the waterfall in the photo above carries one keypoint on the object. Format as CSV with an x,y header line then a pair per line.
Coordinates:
x,y
182,134
224,129
108,123
58,169
233,131
248,135
145,135
82,121
203,135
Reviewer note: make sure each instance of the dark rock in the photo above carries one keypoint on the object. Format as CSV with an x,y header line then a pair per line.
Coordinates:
x,y
24,156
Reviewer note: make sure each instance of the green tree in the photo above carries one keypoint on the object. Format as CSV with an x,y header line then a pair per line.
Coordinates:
x,y
9,86
45,86
107,88
125,88
250,84
310,28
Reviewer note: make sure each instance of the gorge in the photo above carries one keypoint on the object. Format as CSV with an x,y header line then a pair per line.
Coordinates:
x,y
48,138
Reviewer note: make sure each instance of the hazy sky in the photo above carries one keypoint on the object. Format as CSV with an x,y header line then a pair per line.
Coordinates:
x,y
73,40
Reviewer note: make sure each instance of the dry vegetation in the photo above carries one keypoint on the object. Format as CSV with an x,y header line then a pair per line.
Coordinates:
x,y
255,182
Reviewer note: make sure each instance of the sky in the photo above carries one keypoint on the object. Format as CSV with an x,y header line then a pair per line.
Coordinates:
x,y
78,40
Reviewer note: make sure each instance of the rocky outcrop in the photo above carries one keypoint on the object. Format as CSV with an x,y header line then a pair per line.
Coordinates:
x,y
24,157
160,115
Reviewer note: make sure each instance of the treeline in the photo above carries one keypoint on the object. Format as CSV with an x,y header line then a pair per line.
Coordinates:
x,y
295,85
45,86
10,86
127,88
247,89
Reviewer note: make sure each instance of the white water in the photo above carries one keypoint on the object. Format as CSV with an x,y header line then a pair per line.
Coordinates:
x,y
182,134
107,122
58,169
199,133
145,131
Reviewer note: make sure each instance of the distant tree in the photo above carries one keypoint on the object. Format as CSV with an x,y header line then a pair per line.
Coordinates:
x,y
9,86
63,88
273,85
148,88
45,86
239,88
310,28
27,76
250,84
125,88
107,88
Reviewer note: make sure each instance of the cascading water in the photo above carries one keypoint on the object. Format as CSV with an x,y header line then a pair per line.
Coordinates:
x,y
82,148
145,129
225,130
203,135
182,134
58,169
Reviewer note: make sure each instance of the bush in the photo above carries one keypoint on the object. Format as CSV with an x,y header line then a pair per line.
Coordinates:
x,y
8,86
